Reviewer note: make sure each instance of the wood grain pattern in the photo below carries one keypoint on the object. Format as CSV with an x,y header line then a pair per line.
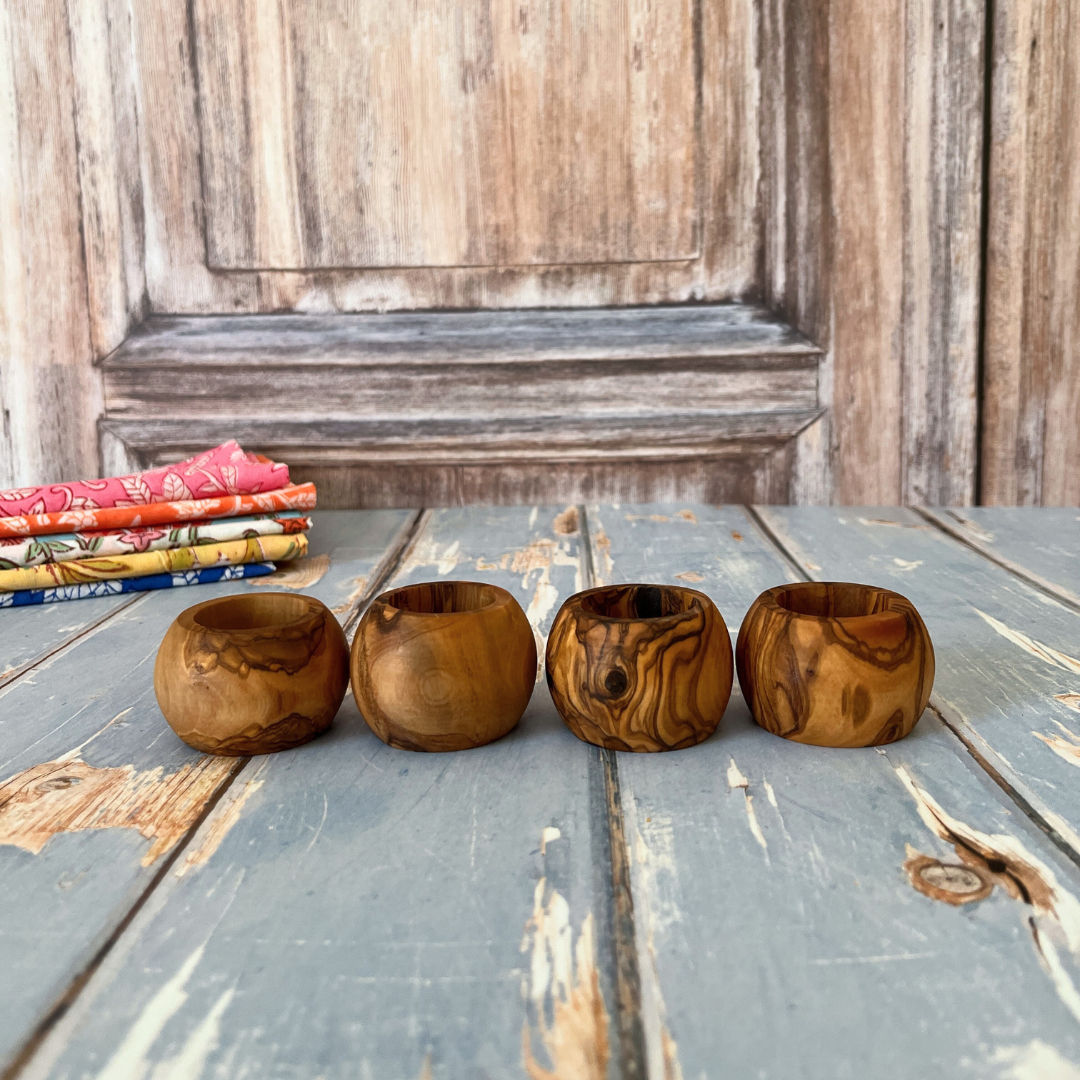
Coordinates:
x,y
546,133
444,408
871,166
640,667
835,664
443,665
252,674
45,343
660,50
109,182
1030,439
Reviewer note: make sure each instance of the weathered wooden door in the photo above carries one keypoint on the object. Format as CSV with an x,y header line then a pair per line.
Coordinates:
x,y
434,251
337,156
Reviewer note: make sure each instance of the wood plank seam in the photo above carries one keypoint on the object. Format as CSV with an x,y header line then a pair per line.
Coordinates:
x,y
1055,592
67,643
942,712
1052,834
64,1002
631,1032
386,569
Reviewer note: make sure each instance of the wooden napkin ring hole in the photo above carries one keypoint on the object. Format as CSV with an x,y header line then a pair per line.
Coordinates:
x,y
637,602
255,612
442,598
823,600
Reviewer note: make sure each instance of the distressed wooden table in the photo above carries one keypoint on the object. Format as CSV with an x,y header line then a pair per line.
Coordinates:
x,y
539,907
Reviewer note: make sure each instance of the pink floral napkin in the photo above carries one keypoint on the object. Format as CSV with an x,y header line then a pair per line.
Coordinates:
x,y
225,470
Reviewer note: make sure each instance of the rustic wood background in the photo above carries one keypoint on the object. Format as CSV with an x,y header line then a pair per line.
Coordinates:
x,y
899,182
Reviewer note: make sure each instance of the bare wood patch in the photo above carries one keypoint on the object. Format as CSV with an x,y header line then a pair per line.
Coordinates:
x,y
564,978
690,575
1050,910
297,574
891,524
566,523
736,779
687,515
1071,700
602,545
428,551
1030,645
223,819
1066,746
656,909
67,795
951,882
360,585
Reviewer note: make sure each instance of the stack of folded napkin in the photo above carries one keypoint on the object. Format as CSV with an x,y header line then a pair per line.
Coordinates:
x,y
220,515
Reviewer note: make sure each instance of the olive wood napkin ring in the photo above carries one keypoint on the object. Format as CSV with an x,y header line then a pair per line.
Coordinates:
x,y
640,667
252,674
444,665
835,664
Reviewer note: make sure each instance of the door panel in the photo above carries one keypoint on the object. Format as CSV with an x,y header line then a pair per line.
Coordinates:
x,y
338,134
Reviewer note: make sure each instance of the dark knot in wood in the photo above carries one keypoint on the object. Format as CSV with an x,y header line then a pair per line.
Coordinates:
x,y
640,667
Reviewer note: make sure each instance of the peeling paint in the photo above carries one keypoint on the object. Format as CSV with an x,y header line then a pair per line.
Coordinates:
x,y
690,575
298,574
548,836
131,1056
906,566
771,796
427,551
751,817
973,527
1006,862
688,515
606,568
217,828
566,523
1036,1061
67,795
1072,701
1030,645
656,908
360,585
563,977
1005,859
1066,747
541,554
889,524
735,780
952,883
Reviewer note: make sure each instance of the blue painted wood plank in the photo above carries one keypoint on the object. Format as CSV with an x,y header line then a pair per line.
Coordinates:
x,y
778,932
351,910
83,745
1041,543
1008,654
30,634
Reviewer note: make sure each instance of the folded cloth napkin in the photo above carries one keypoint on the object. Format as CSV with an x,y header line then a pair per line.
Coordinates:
x,y
89,589
294,497
225,470
231,552
18,551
